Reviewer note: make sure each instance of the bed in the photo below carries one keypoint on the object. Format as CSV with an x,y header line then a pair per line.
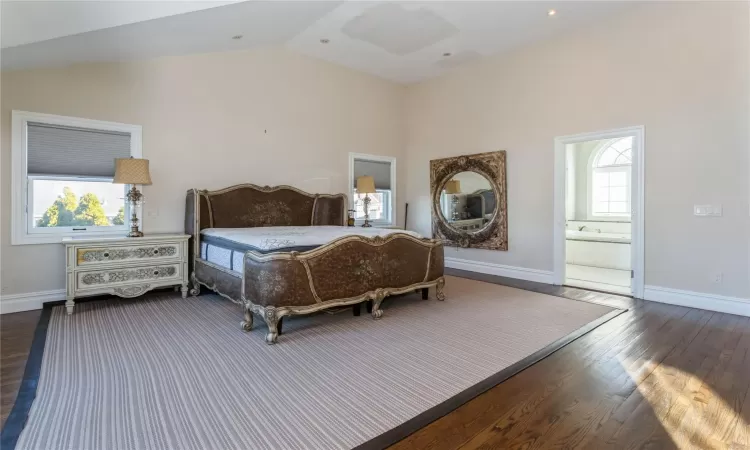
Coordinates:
x,y
279,251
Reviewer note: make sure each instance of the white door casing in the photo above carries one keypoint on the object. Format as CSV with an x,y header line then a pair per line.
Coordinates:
x,y
637,202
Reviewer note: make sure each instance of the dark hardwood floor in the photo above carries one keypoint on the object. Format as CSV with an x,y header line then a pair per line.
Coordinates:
x,y
16,334
657,376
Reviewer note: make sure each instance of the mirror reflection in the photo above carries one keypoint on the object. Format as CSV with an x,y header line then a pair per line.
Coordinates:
x,y
467,201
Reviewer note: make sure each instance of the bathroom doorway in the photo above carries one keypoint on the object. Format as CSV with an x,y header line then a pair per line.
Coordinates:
x,y
598,206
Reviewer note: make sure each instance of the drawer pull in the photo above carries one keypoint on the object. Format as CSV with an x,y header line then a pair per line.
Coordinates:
x,y
156,272
106,254
156,251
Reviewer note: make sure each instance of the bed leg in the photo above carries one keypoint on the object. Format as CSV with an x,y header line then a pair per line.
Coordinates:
x,y
439,289
357,309
368,306
425,293
377,313
247,324
271,317
195,287
281,323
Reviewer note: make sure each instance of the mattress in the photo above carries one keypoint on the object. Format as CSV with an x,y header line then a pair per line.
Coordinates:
x,y
226,246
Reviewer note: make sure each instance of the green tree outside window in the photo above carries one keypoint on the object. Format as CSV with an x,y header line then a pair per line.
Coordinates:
x,y
119,219
61,213
67,211
90,211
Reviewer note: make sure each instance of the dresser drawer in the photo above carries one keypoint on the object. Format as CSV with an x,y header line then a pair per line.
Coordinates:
x,y
155,273
92,256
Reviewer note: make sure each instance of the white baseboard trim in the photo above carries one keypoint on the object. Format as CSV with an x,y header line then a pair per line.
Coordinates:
x,y
26,302
711,302
522,273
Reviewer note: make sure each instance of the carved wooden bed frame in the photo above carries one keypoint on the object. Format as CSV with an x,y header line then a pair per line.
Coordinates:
x,y
346,271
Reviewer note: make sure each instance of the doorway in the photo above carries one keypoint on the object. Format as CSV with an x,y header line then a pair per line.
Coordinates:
x,y
599,211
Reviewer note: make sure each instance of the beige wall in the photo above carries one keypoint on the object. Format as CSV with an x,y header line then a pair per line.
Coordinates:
x,y
209,121
272,117
679,69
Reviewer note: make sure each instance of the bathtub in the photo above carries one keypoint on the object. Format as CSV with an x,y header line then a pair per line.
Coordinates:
x,y
591,248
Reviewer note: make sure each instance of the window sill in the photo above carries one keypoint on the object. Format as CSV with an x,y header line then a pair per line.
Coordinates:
x,y
593,218
34,239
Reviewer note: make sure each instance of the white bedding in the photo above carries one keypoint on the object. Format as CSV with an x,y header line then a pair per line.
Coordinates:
x,y
271,238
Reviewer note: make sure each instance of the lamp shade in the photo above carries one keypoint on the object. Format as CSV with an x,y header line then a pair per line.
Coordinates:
x,y
453,187
365,185
131,171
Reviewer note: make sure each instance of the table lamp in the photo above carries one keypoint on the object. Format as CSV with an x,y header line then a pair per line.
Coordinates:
x,y
366,185
132,171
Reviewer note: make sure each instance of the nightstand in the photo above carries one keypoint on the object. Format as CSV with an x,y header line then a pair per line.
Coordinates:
x,y
123,266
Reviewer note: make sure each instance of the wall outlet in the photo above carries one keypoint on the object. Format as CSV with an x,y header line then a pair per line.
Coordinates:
x,y
718,278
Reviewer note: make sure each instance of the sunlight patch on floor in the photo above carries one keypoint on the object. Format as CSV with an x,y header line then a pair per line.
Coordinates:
x,y
673,394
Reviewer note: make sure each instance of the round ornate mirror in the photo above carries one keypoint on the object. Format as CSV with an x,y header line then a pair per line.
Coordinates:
x,y
469,206
467,202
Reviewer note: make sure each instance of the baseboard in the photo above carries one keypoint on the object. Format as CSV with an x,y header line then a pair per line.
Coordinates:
x,y
29,301
711,302
521,273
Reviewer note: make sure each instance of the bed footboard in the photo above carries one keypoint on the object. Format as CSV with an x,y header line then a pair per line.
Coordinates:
x,y
344,272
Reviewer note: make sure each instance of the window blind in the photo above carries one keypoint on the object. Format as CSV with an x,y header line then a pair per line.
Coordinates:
x,y
378,170
71,151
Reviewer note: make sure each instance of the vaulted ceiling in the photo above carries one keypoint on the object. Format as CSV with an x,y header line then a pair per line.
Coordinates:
x,y
400,41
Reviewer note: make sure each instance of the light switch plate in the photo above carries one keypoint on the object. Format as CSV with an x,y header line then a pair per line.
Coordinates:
x,y
707,210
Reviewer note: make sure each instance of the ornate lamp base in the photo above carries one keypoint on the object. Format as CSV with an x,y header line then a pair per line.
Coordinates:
x,y
135,233
367,212
454,203
135,197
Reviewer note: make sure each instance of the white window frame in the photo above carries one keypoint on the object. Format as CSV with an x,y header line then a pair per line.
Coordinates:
x,y
387,206
22,230
88,229
391,206
591,169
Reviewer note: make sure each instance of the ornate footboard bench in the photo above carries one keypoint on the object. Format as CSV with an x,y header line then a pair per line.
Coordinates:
x,y
346,271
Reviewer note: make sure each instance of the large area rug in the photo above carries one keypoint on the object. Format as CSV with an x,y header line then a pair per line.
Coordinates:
x,y
168,373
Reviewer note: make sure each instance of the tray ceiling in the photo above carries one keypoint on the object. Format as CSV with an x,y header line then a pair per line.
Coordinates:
x,y
401,41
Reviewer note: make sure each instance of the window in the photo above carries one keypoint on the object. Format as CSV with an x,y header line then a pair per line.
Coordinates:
x,y
62,177
610,179
380,205
382,202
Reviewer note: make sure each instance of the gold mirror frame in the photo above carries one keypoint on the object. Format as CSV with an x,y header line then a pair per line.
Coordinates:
x,y
491,165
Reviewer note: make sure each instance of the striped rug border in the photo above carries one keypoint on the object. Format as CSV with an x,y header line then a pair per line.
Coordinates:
x,y
16,421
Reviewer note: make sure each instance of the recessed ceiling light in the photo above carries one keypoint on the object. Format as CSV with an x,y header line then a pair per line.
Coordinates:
x,y
238,36
447,54
551,12
324,41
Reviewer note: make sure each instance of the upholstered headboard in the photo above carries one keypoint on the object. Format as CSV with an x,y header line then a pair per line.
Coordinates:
x,y
248,205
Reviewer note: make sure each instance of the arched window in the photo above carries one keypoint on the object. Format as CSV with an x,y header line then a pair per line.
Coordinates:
x,y
610,178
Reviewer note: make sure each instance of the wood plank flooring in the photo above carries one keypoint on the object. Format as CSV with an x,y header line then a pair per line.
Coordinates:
x,y
657,376
16,334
